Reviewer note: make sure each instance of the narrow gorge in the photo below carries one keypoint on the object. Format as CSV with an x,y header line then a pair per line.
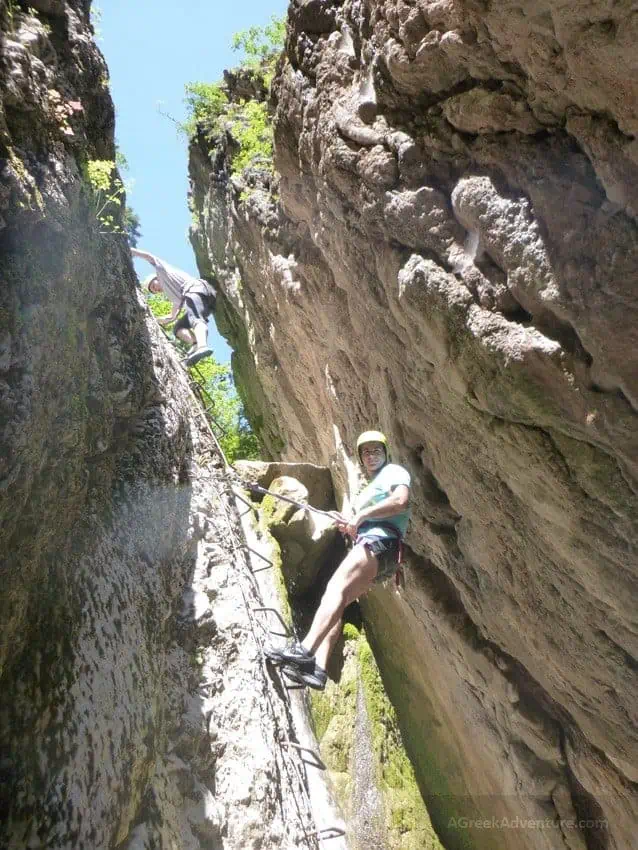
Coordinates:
x,y
443,245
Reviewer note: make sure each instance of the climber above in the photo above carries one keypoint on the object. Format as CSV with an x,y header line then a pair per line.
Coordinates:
x,y
380,519
195,295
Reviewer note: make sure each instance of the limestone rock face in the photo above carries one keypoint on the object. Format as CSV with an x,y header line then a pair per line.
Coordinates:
x,y
451,257
308,541
316,481
125,716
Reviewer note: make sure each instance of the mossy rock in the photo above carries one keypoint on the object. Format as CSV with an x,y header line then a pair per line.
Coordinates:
x,y
334,713
336,743
275,512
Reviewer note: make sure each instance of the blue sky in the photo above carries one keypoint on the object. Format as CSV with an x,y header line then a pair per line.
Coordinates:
x,y
153,48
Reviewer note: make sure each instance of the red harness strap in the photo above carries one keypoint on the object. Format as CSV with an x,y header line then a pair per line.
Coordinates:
x,y
399,576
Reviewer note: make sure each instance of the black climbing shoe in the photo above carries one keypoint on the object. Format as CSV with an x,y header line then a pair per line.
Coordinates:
x,y
316,678
197,355
293,654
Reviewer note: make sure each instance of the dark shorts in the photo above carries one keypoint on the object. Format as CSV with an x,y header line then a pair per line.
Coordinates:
x,y
387,550
198,309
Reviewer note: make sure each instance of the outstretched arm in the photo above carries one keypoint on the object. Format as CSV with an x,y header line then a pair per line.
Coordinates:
x,y
143,255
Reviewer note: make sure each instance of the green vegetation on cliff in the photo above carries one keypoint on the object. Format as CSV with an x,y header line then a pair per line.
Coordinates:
x,y
227,418
408,819
206,103
108,194
270,512
212,109
335,712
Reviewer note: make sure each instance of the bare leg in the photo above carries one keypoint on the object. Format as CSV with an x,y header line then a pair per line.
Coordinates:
x,y
354,577
186,336
201,334
324,650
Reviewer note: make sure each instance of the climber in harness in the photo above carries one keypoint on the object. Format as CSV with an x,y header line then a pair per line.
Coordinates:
x,y
195,295
380,520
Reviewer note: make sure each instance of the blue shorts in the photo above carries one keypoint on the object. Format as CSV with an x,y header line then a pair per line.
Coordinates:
x,y
198,309
386,550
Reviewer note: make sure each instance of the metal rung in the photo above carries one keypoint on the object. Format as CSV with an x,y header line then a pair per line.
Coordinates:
x,y
284,742
241,499
261,569
280,618
259,555
327,833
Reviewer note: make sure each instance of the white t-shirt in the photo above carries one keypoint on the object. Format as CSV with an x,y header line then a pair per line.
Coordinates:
x,y
380,487
177,284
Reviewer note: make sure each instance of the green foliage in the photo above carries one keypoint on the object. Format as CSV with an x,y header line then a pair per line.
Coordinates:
x,y
260,44
108,193
251,127
248,122
96,21
159,304
130,219
350,632
227,418
262,47
208,106
132,226
408,814
120,160
206,103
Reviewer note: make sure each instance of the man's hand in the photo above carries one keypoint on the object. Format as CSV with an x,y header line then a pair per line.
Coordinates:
x,y
345,525
352,526
143,255
166,320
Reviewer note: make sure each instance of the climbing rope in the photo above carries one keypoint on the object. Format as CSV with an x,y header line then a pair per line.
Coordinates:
x,y
256,488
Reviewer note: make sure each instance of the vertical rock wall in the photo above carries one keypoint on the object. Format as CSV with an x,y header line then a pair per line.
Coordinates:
x,y
131,714
450,254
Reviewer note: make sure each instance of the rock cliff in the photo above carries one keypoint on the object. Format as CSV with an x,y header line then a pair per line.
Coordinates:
x,y
448,251
125,716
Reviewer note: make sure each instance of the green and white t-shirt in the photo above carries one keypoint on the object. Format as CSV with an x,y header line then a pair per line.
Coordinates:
x,y
390,476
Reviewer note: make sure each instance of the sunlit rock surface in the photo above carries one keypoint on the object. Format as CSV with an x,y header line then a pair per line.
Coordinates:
x,y
450,254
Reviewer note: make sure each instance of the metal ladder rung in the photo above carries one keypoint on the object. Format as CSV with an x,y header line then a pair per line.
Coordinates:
x,y
261,569
281,620
255,552
334,832
317,759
